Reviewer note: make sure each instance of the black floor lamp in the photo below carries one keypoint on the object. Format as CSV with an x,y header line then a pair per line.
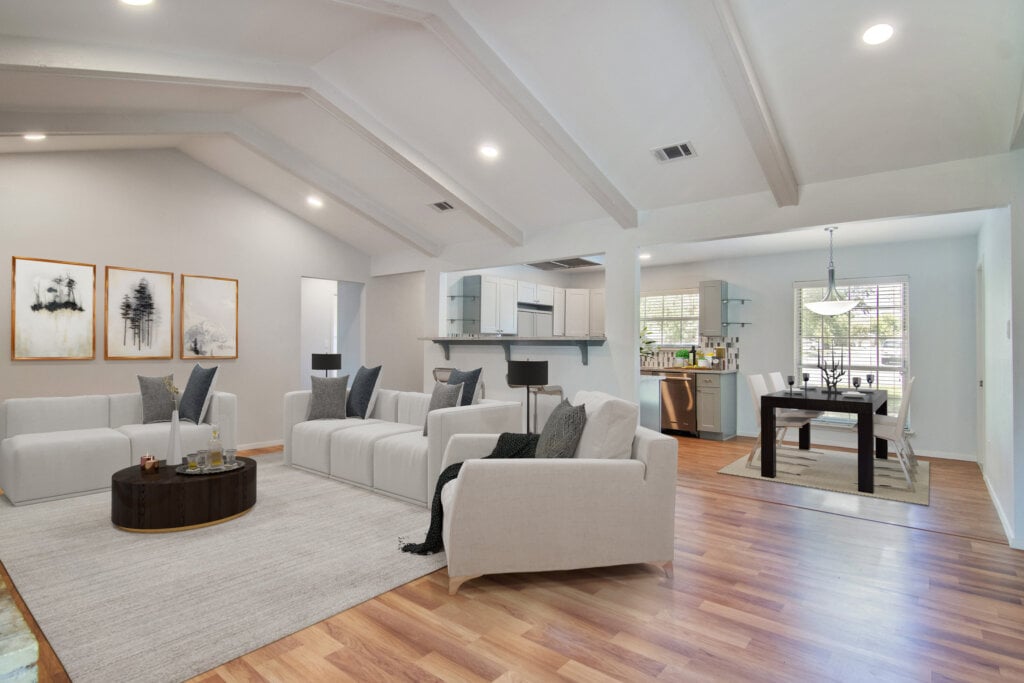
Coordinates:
x,y
326,361
527,373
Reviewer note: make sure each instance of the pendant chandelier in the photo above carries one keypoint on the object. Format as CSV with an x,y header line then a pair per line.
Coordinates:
x,y
832,304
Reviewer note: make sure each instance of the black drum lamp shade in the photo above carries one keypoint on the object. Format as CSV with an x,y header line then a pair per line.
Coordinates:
x,y
326,361
527,373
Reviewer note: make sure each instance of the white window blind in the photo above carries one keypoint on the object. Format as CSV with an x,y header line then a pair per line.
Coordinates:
x,y
671,318
872,338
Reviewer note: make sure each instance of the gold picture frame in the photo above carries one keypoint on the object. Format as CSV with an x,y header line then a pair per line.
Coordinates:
x,y
53,309
209,317
138,314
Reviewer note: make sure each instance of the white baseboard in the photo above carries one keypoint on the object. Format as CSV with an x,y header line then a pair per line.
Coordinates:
x,y
260,444
1007,527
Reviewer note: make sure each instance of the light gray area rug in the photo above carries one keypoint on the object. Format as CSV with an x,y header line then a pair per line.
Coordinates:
x,y
122,606
837,471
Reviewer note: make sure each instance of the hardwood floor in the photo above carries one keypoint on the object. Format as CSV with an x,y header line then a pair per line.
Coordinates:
x,y
772,582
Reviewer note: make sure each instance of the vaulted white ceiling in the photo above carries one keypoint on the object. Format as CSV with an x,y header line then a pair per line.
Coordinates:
x,y
379,106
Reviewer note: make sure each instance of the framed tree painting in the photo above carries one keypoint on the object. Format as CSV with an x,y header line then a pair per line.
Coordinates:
x,y
209,317
139,314
53,314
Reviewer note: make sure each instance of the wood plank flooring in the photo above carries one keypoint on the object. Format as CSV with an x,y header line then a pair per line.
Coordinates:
x,y
772,582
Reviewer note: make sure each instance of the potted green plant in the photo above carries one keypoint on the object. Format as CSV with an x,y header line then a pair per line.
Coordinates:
x,y
682,357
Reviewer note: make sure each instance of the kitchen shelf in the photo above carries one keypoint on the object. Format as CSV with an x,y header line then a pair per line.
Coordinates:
x,y
583,343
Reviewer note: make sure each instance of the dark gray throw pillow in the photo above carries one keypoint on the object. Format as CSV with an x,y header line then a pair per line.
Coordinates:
x,y
363,391
328,400
443,396
196,397
468,380
157,399
562,431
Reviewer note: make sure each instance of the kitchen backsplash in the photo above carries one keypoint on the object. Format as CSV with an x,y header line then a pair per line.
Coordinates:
x,y
666,357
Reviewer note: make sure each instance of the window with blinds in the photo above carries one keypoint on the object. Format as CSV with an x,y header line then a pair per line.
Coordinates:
x,y
671,318
872,338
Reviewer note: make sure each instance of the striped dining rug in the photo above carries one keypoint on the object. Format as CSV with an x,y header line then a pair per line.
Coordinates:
x,y
837,471
121,606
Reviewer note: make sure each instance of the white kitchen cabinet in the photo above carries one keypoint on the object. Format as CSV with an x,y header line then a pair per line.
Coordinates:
x,y
596,325
498,305
534,324
577,312
526,292
545,295
558,306
712,295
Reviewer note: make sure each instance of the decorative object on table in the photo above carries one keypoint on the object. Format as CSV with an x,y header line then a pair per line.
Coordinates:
x,y
469,380
363,393
229,457
52,310
856,383
870,378
443,396
149,464
527,373
833,372
174,441
138,314
807,378
326,362
195,400
191,462
327,400
216,448
832,303
790,379
209,317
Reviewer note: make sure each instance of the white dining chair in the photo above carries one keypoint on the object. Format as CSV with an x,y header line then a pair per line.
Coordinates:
x,y
783,420
894,430
779,384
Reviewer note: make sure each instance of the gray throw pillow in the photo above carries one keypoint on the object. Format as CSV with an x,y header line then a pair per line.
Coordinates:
x,y
157,399
328,400
196,397
363,391
443,396
468,380
562,431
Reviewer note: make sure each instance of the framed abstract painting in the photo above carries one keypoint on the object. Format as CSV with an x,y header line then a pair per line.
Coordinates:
x,y
53,314
209,317
138,314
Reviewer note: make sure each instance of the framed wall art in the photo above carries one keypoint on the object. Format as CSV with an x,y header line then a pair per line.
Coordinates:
x,y
209,317
138,314
53,314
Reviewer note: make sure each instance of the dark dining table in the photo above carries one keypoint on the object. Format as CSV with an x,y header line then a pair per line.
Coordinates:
x,y
817,398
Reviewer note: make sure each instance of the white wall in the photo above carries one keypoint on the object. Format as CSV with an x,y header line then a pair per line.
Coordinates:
x,y
316,328
941,324
394,323
350,327
160,210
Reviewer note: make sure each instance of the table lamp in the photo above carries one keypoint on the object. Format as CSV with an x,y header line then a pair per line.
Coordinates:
x,y
528,373
326,361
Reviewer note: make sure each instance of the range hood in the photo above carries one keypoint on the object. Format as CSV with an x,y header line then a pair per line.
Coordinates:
x,y
569,263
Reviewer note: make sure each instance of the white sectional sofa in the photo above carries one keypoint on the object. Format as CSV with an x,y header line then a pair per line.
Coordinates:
x,y
57,447
386,451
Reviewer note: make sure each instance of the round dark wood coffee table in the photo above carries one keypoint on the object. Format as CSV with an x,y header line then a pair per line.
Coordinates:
x,y
167,501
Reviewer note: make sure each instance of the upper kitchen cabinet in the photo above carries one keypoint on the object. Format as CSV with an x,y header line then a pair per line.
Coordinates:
x,y
596,326
712,295
577,312
498,298
535,294
558,322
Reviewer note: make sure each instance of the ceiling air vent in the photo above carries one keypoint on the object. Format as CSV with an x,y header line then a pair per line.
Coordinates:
x,y
673,152
442,206
565,263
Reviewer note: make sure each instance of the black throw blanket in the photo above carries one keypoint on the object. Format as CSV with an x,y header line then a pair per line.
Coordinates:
x,y
510,445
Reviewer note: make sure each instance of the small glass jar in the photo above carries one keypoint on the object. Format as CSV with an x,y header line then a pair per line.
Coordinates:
x,y
192,461
203,459
216,449
229,457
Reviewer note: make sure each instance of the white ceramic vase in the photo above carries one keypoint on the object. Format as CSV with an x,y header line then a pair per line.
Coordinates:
x,y
174,441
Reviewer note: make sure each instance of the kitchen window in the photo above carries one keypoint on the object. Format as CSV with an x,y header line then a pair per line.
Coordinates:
x,y
873,338
671,318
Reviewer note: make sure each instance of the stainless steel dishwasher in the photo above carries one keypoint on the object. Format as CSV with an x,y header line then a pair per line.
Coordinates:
x,y
678,402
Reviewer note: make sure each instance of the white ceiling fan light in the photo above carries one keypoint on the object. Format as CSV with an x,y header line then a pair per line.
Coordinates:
x,y
315,201
489,151
832,303
34,137
877,34
137,3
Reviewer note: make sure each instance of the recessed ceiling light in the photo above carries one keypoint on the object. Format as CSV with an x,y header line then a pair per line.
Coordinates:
x,y
137,3
34,137
488,151
644,256
877,34
314,201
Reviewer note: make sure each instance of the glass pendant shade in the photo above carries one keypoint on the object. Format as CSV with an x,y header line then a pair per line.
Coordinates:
x,y
833,303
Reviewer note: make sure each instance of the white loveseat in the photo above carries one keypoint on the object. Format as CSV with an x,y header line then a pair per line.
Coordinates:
x,y
526,515
386,451
57,447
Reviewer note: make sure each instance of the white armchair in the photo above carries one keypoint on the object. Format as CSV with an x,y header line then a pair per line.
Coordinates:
x,y
550,514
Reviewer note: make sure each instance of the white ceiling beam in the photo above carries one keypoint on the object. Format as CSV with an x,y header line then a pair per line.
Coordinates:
x,y
259,141
349,112
459,36
740,79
